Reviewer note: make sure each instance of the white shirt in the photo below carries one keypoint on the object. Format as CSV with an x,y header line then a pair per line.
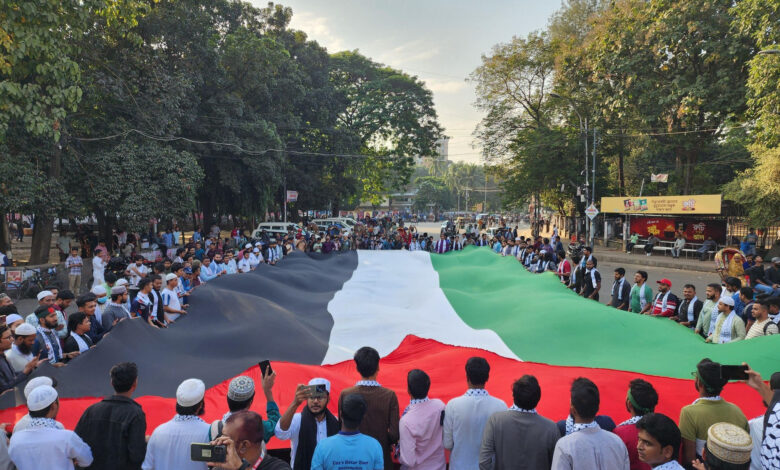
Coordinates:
x,y
169,446
231,267
244,265
17,359
136,278
61,447
292,434
24,423
464,422
171,299
98,267
756,426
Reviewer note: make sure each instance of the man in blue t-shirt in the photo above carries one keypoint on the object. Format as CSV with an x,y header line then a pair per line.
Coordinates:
x,y
349,449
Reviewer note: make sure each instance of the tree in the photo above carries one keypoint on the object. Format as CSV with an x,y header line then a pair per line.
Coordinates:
x,y
139,181
391,115
432,194
756,188
511,86
676,67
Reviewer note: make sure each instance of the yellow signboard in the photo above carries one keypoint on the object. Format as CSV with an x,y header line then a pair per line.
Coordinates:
x,y
699,204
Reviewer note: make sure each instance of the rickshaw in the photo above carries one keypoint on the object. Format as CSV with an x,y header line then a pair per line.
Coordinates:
x,y
728,263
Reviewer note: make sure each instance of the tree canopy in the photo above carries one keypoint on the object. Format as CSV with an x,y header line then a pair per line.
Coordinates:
x,y
133,110
669,87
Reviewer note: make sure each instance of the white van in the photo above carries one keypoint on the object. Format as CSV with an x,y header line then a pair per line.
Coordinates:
x,y
275,228
323,224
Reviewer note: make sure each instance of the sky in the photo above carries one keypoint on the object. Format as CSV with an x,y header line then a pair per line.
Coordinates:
x,y
440,41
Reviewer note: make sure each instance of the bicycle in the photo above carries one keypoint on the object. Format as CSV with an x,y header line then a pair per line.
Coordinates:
x,y
38,281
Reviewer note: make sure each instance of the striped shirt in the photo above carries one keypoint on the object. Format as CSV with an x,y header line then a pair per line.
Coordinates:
x,y
73,264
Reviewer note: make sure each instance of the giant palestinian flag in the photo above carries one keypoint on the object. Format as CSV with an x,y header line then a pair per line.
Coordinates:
x,y
310,314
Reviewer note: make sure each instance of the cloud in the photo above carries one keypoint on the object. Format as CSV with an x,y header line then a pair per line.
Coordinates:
x,y
442,86
413,51
318,28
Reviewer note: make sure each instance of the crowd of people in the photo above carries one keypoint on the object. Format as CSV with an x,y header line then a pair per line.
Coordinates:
x,y
738,308
371,432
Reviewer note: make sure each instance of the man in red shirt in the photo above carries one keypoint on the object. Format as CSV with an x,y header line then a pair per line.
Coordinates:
x,y
665,303
641,399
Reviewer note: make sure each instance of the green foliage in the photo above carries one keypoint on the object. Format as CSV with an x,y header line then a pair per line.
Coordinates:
x,y
664,82
432,194
757,188
390,114
138,181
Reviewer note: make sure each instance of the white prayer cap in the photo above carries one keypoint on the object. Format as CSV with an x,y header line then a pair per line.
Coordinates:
x,y
727,300
258,244
320,381
25,329
170,277
14,317
190,392
43,294
99,290
248,245
256,250
40,397
121,282
36,382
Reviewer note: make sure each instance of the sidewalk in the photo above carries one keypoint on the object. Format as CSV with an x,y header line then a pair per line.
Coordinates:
x,y
657,260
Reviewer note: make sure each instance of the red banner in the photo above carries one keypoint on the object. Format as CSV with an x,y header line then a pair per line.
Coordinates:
x,y
695,231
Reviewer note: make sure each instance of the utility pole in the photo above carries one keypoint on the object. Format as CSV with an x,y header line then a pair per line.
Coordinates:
x,y
593,189
484,204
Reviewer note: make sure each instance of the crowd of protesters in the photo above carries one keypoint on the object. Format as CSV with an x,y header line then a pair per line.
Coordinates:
x,y
371,432
743,306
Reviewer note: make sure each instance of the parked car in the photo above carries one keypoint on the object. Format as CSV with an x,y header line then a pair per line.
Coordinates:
x,y
277,229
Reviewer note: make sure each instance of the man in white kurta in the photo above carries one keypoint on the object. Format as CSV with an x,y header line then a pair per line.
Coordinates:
x,y
98,268
169,446
62,447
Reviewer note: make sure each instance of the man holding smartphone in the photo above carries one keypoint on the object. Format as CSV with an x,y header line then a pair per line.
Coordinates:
x,y
313,424
241,395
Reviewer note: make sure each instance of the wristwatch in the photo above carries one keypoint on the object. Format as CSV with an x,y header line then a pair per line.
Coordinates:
x,y
245,465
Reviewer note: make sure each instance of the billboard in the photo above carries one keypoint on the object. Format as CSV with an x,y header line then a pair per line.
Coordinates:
x,y
693,230
697,204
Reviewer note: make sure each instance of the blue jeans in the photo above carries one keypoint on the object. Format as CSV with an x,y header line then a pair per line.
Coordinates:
x,y
766,289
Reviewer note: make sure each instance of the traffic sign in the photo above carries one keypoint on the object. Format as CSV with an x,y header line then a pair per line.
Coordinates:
x,y
591,212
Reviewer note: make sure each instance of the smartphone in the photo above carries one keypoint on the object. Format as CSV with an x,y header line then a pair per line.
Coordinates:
x,y
265,366
207,453
733,372
316,391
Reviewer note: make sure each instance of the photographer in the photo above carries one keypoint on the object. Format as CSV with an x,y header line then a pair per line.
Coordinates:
x,y
307,428
243,438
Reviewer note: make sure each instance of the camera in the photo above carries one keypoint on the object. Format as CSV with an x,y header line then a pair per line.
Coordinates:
x,y
316,391
207,453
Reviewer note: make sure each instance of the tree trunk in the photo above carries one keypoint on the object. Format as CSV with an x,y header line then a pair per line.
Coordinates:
x,y
44,223
5,234
207,207
690,162
105,228
621,174
41,239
